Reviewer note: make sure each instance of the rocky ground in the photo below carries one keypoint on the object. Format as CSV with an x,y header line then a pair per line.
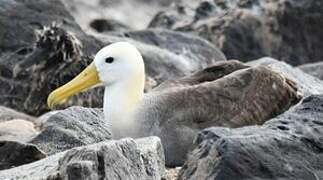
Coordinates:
x,y
276,80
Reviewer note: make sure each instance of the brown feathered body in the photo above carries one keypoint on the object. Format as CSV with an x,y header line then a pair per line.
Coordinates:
x,y
228,94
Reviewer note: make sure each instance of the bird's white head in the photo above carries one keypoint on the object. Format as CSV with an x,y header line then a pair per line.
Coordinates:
x,y
117,65
119,62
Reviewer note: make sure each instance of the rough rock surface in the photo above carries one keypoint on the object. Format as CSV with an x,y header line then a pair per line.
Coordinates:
x,y
13,154
306,84
286,147
17,126
18,130
314,69
35,58
48,49
7,114
122,159
171,173
227,94
249,29
72,127
19,20
153,156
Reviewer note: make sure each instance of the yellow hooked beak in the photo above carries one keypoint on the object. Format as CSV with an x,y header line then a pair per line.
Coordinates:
x,y
87,78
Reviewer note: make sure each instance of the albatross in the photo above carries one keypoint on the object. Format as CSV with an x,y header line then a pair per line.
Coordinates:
x,y
175,113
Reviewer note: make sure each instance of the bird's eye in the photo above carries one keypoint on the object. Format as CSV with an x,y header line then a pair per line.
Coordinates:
x,y
109,60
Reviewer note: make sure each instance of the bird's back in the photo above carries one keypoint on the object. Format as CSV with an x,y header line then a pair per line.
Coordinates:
x,y
228,94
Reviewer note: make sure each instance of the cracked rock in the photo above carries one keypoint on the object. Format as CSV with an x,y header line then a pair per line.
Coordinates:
x,y
286,147
121,159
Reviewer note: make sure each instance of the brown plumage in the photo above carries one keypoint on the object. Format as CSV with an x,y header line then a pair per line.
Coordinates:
x,y
228,94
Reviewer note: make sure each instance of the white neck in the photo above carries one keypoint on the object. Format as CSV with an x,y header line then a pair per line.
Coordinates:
x,y
120,101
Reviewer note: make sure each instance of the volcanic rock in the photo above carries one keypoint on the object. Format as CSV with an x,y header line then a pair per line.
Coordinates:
x,y
39,49
122,159
314,69
13,154
72,127
249,29
18,130
17,126
286,147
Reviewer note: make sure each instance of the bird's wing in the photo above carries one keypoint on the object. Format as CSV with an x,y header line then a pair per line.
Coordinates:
x,y
243,97
212,73
246,96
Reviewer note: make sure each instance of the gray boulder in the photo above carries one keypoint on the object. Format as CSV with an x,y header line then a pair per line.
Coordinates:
x,y
17,126
19,20
306,84
122,159
13,154
314,69
249,29
72,127
39,50
7,114
152,155
286,147
18,130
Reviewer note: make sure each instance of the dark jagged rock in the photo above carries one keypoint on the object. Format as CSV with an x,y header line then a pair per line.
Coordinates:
x,y
13,154
122,159
286,147
19,20
39,50
249,29
56,50
314,69
56,57
72,127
